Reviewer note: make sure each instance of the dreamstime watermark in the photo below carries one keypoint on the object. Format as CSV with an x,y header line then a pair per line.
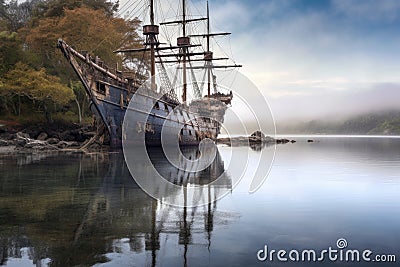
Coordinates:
x,y
340,253
177,178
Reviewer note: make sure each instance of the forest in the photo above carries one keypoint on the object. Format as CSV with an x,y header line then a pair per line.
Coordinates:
x,y
37,84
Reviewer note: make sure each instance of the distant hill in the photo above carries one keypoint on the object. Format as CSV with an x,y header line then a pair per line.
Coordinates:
x,y
385,123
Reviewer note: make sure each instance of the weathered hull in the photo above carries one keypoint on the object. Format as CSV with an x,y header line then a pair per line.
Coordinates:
x,y
110,97
182,124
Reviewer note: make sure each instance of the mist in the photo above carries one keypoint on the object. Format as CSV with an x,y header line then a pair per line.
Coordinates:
x,y
331,105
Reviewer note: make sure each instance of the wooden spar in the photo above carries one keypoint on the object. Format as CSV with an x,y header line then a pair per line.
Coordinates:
x,y
214,67
192,60
210,34
181,55
156,48
181,21
68,49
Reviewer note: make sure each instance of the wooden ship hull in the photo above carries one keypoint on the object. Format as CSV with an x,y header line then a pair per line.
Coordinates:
x,y
110,94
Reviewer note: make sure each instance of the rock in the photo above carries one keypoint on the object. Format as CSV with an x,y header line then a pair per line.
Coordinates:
x,y
52,141
30,145
20,142
282,141
3,142
42,136
65,144
258,134
62,144
22,135
67,136
74,144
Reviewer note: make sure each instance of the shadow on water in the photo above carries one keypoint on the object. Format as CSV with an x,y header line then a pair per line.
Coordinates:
x,y
68,210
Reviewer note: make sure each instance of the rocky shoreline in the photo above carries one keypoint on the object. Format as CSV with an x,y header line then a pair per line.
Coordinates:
x,y
86,139
33,139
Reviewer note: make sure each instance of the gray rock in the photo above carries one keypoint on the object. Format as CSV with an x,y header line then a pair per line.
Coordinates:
x,y
42,136
20,142
62,144
23,135
65,144
52,141
3,142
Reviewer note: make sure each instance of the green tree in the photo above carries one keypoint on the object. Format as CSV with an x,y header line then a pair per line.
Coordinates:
x,y
43,90
10,50
56,8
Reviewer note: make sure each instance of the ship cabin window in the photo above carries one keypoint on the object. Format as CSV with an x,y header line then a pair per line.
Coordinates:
x,y
190,132
166,107
156,105
182,131
101,87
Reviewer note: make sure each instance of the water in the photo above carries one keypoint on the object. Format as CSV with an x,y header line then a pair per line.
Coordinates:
x,y
70,210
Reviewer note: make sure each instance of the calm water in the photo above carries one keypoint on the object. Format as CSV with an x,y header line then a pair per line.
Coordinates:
x,y
75,210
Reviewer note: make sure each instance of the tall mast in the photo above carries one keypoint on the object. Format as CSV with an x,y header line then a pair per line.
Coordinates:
x,y
150,31
186,41
152,45
208,63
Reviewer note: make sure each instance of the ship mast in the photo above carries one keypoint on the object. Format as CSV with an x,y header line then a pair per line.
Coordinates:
x,y
151,31
184,41
208,55
152,44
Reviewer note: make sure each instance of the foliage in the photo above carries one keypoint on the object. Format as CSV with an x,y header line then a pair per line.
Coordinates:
x,y
18,14
10,50
40,88
56,8
86,29
33,72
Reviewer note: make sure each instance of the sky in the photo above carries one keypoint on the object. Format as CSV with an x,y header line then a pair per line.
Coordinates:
x,y
313,58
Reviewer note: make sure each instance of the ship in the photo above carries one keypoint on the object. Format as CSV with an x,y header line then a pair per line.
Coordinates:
x,y
110,91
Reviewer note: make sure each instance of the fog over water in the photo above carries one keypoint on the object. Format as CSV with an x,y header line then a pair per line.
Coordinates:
x,y
335,105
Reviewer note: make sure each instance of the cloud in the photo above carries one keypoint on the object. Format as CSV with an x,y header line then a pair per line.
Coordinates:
x,y
369,10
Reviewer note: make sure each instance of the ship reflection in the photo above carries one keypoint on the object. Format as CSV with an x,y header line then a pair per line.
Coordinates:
x,y
87,210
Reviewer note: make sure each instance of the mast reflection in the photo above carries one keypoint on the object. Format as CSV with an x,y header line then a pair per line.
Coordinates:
x,y
81,210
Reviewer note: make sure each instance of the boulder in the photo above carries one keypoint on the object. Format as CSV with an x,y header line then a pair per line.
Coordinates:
x,y
258,134
21,135
3,142
42,136
52,141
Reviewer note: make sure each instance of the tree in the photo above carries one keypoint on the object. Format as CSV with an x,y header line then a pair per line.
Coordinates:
x,y
81,99
10,50
56,8
86,29
16,14
43,90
